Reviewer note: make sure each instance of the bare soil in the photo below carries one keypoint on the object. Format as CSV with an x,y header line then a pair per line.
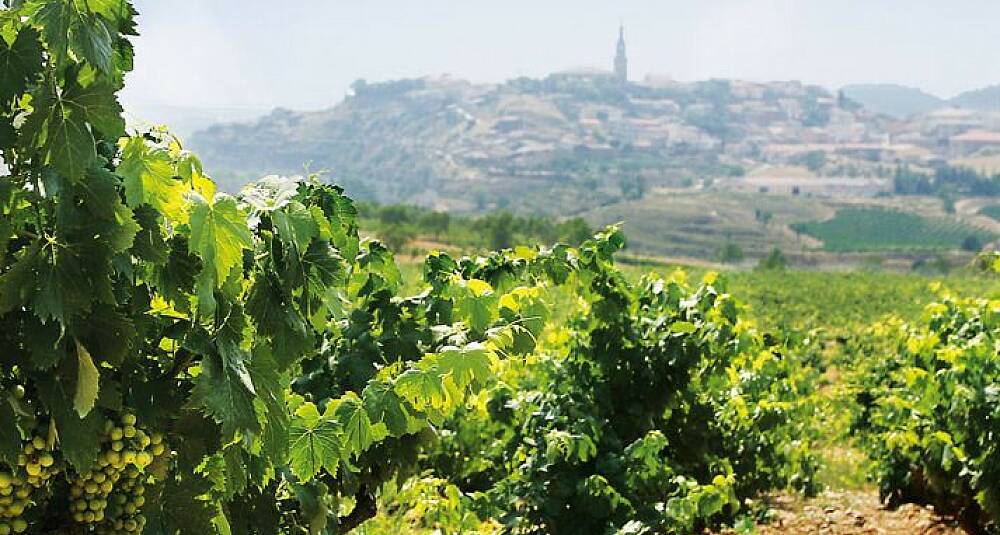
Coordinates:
x,y
852,513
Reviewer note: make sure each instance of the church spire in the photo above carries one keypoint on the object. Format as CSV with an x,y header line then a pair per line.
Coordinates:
x,y
621,62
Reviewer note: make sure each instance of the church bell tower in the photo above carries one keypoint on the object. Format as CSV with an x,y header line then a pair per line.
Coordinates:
x,y
621,62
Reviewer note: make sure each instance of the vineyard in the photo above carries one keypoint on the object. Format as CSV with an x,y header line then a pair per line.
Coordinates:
x,y
877,229
177,360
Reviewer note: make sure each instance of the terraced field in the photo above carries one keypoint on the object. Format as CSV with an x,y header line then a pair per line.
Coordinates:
x,y
696,224
880,229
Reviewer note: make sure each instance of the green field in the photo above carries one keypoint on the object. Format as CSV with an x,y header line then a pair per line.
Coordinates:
x,y
877,229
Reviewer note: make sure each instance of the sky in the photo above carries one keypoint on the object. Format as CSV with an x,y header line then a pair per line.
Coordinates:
x,y
304,54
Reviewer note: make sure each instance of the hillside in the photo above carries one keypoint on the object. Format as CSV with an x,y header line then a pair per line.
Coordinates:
x,y
892,99
560,145
987,99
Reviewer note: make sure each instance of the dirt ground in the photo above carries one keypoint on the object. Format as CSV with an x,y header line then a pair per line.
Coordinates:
x,y
852,513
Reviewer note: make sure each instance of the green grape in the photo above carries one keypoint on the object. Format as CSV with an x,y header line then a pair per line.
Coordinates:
x,y
23,485
111,497
124,511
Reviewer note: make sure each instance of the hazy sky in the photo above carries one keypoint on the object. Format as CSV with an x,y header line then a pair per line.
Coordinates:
x,y
304,53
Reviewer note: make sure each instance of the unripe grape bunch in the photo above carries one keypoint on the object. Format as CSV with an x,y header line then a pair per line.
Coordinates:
x,y
126,450
36,465
106,499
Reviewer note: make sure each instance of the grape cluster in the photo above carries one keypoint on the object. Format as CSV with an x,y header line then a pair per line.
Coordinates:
x,y
35,466
15,494
125,505
126,450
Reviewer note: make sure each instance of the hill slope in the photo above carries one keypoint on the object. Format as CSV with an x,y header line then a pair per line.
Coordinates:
x,y
560,145
986,99
892,99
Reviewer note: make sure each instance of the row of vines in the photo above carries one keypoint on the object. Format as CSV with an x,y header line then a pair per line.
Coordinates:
x,y
928,409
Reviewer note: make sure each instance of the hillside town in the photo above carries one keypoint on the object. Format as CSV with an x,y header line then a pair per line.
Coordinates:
x,y
449,143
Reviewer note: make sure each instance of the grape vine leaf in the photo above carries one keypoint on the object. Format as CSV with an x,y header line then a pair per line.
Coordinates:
x,y
91,39
112,9
272,192
314,443
225,390
466,365
475,302
359,432
19,63
54,18
69,145
69,278
79,438
17,285
219,234
180,508
269,385
10,438
295,225
423,387
98,104
87,382
385,406
149,179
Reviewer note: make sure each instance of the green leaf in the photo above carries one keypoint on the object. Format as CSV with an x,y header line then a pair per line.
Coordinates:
x,y
295,225
148,175
225,390
384,406
359,432
79,438
181,507
55,18
18,284
423,387
467,364
98,104
19,63
219,234
91,39
111,9
314,443
475,302
10,437
69,145
269,385
87,382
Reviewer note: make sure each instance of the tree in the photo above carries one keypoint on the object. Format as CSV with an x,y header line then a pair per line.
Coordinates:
x,y
574,231
437,223
500,230
394,214
396,236
763,216
814,160
730,253
774,260
972,243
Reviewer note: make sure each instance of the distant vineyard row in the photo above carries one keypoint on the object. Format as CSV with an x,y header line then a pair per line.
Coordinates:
x,y
875,229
